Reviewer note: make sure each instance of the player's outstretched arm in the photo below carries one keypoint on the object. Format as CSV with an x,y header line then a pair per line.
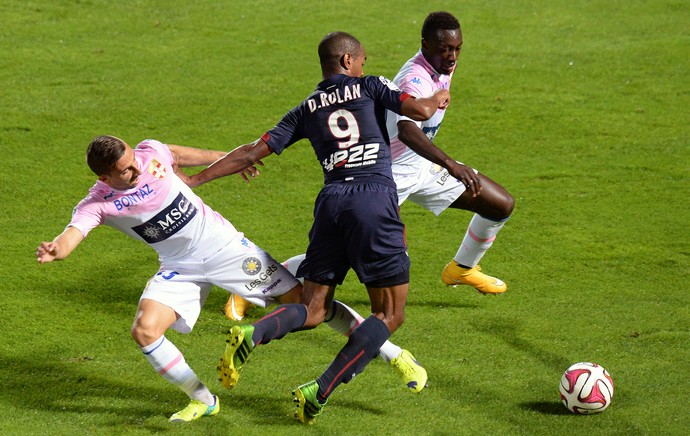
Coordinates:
x,y
60,247
240,159
412,136
421,109
194,157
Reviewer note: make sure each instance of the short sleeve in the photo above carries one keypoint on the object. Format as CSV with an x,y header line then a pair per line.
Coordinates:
x,y
86,216
286,132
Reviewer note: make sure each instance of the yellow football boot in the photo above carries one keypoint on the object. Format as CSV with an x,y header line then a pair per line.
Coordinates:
x,y
457,275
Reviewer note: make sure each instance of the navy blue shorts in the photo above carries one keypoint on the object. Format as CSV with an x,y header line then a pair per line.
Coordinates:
x,y
357,225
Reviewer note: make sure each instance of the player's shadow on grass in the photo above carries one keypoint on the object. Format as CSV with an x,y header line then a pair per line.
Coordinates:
x,y
62,387
546,407
102,289
260,409
56,386
414,301
441,304
508,331
273,410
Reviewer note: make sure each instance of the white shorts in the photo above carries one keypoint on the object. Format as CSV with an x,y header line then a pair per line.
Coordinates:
x,y
240,267
429,185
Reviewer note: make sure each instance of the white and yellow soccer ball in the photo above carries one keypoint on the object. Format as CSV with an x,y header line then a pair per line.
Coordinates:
x,y
586,388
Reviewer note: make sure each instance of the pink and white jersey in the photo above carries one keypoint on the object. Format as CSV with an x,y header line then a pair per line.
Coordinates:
x,y
161,210
416,77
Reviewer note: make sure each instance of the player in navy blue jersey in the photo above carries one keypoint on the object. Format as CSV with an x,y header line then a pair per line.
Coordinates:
x,y
356,220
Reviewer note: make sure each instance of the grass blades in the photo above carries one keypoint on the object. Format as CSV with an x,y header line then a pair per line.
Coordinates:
x,y
580,109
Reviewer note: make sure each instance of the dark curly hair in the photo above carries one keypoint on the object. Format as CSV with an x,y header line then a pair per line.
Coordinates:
x,y
436,21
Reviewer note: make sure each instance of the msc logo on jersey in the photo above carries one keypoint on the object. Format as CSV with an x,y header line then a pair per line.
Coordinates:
x,y
157,169
251,266
168,221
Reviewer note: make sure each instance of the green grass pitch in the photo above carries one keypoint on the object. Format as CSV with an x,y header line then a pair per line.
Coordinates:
x,y
578,108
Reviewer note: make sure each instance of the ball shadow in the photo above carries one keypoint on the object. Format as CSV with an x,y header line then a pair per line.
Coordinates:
x,y
546,407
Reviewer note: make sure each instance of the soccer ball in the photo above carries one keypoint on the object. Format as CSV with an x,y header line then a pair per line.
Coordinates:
x,y
586,388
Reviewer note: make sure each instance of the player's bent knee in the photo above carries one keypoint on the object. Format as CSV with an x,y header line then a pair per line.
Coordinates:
x,y
144,333
140,337
508,206
392,321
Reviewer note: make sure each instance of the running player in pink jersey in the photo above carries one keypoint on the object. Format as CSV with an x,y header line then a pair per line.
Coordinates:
x,y
431,186
139,193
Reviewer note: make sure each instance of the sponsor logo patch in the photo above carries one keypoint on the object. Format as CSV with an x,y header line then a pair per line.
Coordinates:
x,y
133,199
352,157
262,277
435,169
168,221
392,86
251,266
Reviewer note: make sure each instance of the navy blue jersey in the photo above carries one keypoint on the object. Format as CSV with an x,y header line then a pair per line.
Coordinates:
x,y
344,119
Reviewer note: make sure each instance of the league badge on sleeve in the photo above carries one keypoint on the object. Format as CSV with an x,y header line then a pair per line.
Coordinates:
x,y
389,84
157,169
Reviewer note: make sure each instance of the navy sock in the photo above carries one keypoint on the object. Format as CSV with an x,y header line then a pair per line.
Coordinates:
x,y
362,346
284,319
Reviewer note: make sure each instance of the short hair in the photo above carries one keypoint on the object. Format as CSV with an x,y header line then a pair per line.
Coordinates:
x,y
436,21
103,152
335,45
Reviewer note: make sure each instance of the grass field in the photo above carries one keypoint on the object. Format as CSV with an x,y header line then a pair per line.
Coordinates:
x,y
580,109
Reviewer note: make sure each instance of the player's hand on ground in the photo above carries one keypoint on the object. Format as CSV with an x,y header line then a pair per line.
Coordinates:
x,y
468,177
46,252
251,171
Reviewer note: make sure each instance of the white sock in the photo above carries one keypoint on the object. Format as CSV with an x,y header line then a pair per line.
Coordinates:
x,y
479,237
389,351
343,319
165,358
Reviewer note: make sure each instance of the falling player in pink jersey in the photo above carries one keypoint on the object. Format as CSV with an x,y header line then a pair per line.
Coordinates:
x,y
139,193
431,186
